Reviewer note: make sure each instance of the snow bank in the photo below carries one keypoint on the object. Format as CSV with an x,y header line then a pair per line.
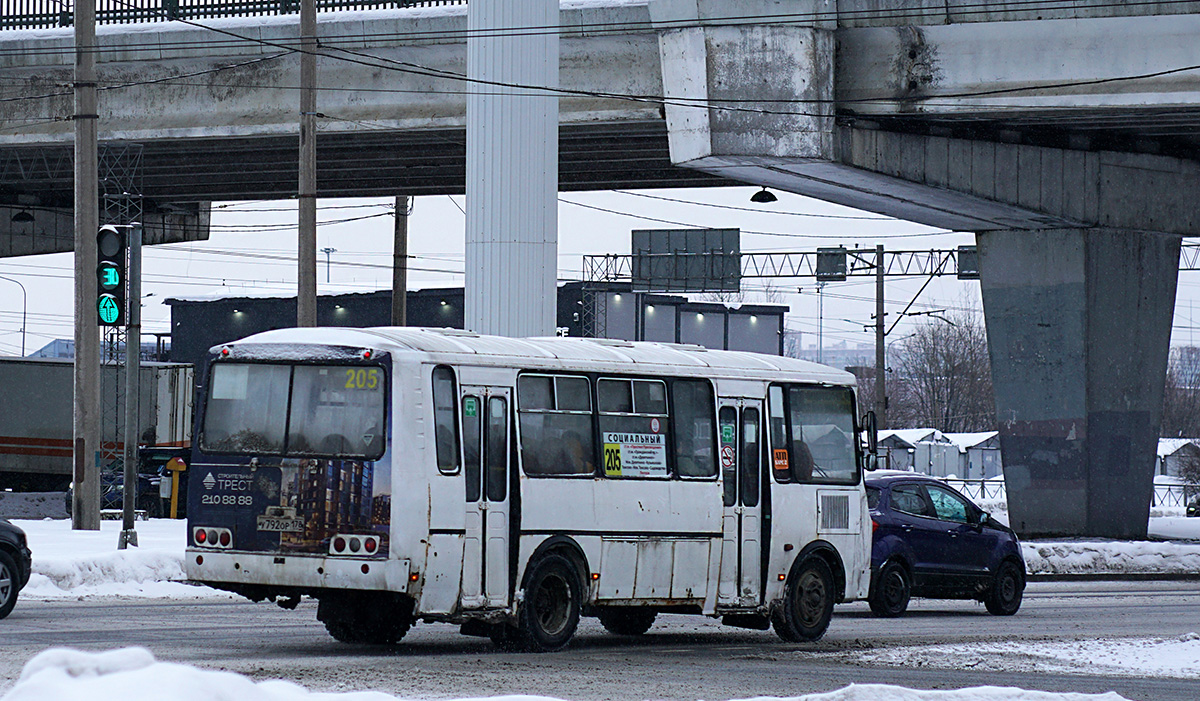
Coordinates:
x,y
132,674
69,563
1136,657
1110,557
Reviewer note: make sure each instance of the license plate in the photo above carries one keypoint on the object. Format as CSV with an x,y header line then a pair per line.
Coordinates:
x,y
266,523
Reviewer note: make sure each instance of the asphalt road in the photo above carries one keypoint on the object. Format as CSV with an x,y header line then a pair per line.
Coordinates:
x,y
682,657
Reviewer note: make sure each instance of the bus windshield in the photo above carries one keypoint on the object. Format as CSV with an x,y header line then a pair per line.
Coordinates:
x,y
301,410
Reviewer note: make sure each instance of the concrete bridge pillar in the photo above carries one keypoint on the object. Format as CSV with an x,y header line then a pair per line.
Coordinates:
x,y
1079,324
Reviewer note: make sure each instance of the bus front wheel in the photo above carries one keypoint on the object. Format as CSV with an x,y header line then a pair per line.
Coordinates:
x,y
549,613
807,603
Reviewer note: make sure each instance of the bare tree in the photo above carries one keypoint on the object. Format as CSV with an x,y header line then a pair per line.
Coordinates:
x,y
943,377
1181,395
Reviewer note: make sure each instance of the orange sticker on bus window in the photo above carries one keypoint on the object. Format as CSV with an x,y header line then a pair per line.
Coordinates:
x,y
781,459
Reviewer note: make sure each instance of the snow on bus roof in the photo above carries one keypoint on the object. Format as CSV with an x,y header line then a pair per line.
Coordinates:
x,y
548,351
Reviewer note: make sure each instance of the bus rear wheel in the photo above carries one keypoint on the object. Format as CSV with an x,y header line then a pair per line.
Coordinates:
x,y
366,617
626,620
807,605
549,613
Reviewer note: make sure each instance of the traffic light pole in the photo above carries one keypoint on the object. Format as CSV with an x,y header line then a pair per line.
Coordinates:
x,y
133,348
85,506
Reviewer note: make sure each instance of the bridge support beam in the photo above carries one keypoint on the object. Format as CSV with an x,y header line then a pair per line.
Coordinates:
x,y
512,169
1079,324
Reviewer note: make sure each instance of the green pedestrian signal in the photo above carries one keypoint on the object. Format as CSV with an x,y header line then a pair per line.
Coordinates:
x,y
110,276
108,309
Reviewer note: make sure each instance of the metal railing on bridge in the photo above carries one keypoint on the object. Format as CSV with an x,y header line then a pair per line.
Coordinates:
x,y
1165,495
42,14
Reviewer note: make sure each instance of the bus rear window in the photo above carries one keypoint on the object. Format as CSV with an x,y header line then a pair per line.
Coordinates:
x,y
336,411
247,408
305,410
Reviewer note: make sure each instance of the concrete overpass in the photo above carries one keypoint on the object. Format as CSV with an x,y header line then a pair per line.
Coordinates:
x,y
1063,134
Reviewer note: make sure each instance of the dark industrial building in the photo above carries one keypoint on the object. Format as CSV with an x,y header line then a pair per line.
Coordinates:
x,y
607,311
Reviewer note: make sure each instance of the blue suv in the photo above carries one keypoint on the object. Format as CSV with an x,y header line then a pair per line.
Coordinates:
x,y
932,542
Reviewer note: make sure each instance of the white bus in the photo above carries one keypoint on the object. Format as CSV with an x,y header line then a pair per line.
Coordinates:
x,y
511,486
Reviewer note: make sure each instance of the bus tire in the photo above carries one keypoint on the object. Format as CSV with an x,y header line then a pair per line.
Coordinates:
x,y
807,605
371,619
549,613
626,620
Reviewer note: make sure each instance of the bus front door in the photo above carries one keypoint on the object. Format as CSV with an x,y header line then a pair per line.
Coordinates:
x,y
741,475
486,453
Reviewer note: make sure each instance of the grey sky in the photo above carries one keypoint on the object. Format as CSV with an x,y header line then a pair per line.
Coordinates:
x,y
253,244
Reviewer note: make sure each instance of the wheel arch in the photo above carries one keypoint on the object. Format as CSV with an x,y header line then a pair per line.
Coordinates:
x,y
826,551
568,548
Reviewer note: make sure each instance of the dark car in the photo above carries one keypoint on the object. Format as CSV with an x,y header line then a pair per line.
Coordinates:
x,y
1193,509
112,491
15,564
932,542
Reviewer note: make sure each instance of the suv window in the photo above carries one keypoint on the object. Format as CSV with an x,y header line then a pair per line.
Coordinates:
x,y
948,505
872,497
910,499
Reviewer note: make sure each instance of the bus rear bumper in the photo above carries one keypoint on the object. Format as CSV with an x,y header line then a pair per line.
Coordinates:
x,y
298,571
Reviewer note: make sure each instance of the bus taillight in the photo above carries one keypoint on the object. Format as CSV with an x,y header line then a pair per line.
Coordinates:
x,y
354,544
212,537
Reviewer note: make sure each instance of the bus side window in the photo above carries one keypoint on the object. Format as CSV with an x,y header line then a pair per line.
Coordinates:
x,y
694,424
555,415
445,420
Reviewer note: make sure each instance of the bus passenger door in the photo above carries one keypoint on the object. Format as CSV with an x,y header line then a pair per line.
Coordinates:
x,y
741,476
486,433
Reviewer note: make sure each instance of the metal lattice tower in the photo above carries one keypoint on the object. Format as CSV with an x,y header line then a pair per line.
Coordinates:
x,y
120,189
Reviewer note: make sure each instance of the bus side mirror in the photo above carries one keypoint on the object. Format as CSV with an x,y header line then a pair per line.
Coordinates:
x,y
871,428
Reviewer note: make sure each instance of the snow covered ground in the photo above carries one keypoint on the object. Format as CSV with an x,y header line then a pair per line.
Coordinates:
x,y
1139,657
132,674
87,564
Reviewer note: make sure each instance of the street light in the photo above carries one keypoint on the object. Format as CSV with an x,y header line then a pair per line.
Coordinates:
x,y
327,250
24,310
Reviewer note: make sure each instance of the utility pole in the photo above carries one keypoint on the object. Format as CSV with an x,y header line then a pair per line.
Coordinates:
x,y
133,349
400,264
880,360
85,506
306,278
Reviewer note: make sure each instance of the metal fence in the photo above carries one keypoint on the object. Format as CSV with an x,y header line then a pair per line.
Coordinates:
x,y
1165,495
41,14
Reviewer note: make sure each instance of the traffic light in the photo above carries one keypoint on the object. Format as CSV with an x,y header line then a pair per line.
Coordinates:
x,y
110,276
